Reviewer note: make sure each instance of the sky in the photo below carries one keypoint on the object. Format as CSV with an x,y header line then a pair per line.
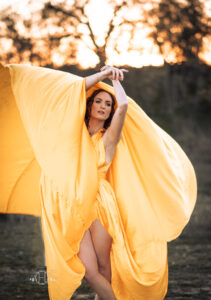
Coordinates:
x,y
150,54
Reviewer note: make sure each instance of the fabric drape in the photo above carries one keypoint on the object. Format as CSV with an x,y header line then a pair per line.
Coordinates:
x,y
49,169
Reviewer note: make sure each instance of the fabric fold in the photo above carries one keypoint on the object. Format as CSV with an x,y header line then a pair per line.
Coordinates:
x,y
49,169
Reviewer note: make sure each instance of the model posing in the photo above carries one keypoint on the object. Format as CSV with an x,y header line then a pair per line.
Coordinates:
x,y
114,187
96,243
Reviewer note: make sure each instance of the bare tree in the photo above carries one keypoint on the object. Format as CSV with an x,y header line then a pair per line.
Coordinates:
x,y
60,29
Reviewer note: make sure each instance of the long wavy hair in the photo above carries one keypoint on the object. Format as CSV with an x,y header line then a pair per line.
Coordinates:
x,y
89,103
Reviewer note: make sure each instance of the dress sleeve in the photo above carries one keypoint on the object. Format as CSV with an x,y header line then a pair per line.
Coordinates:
x,y
152,170
153,179
42,129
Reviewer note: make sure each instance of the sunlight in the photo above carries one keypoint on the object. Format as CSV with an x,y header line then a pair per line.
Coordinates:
x,y
205,55
6,44
133,59
86,57
124,48
99,14
57,58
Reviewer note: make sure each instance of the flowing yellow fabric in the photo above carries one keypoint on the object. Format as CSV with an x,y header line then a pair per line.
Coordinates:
x,y
52,168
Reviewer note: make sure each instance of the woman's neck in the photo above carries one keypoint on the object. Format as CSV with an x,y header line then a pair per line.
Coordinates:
x,y
95,125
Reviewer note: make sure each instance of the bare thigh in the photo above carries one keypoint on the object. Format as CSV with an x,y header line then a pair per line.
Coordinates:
x,y
88,256
102,243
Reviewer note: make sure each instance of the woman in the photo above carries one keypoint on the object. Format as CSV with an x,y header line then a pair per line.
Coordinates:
x,y
109,222
96,243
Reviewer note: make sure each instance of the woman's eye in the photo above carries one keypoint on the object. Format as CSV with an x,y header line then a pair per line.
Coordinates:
x,y
108,104
97,101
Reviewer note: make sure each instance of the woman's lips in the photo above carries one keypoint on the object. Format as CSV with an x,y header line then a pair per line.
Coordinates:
x,y
101,112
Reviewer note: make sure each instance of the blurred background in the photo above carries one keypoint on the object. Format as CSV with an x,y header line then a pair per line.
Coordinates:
x,y
166,46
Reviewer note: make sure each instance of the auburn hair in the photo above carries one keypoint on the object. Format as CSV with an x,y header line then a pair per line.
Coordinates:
x,y
89,103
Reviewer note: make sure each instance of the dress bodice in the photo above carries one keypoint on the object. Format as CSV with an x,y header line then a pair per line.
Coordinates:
x,y
102,165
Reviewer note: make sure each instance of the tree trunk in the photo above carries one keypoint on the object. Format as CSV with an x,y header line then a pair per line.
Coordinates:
x,y
101,53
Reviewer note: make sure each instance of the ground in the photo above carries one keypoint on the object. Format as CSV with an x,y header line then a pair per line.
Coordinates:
x,y
189,259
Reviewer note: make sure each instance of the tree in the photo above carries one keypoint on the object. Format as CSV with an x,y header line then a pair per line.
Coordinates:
x,y
178,28
58,30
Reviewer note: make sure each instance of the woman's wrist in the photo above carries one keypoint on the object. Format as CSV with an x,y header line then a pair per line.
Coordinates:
x,y
115,81
93,79
120,94
102,75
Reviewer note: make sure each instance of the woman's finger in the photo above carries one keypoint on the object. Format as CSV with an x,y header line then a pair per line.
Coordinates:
x,y
121,74
113,74
117,74
124,70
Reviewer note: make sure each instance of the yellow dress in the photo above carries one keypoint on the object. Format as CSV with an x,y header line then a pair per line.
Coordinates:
x,y
129,279
52,168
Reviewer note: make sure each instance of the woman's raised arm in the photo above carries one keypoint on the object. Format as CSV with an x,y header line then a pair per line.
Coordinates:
x,y
113,133
106,72
93,79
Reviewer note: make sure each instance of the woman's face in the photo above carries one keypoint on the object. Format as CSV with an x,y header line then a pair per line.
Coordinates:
x,y
101,106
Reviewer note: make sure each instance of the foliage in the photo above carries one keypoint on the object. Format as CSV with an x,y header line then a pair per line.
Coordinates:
x,y
63,31
179,26
57,30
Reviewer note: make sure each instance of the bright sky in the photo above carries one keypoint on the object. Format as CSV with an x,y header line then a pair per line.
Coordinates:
x,y
149,56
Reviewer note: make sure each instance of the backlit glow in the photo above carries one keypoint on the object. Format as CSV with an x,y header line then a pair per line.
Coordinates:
x,y
124,47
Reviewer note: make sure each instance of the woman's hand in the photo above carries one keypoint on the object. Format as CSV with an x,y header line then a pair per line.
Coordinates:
x,y
113,73
105,72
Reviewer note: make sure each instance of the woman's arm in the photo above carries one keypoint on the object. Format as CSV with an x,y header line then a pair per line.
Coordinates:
x,y
113,133
106,72
93,79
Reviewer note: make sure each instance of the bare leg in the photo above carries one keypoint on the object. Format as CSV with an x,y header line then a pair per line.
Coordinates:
x,y
102,287
106,271
102,242
107,274
97,281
